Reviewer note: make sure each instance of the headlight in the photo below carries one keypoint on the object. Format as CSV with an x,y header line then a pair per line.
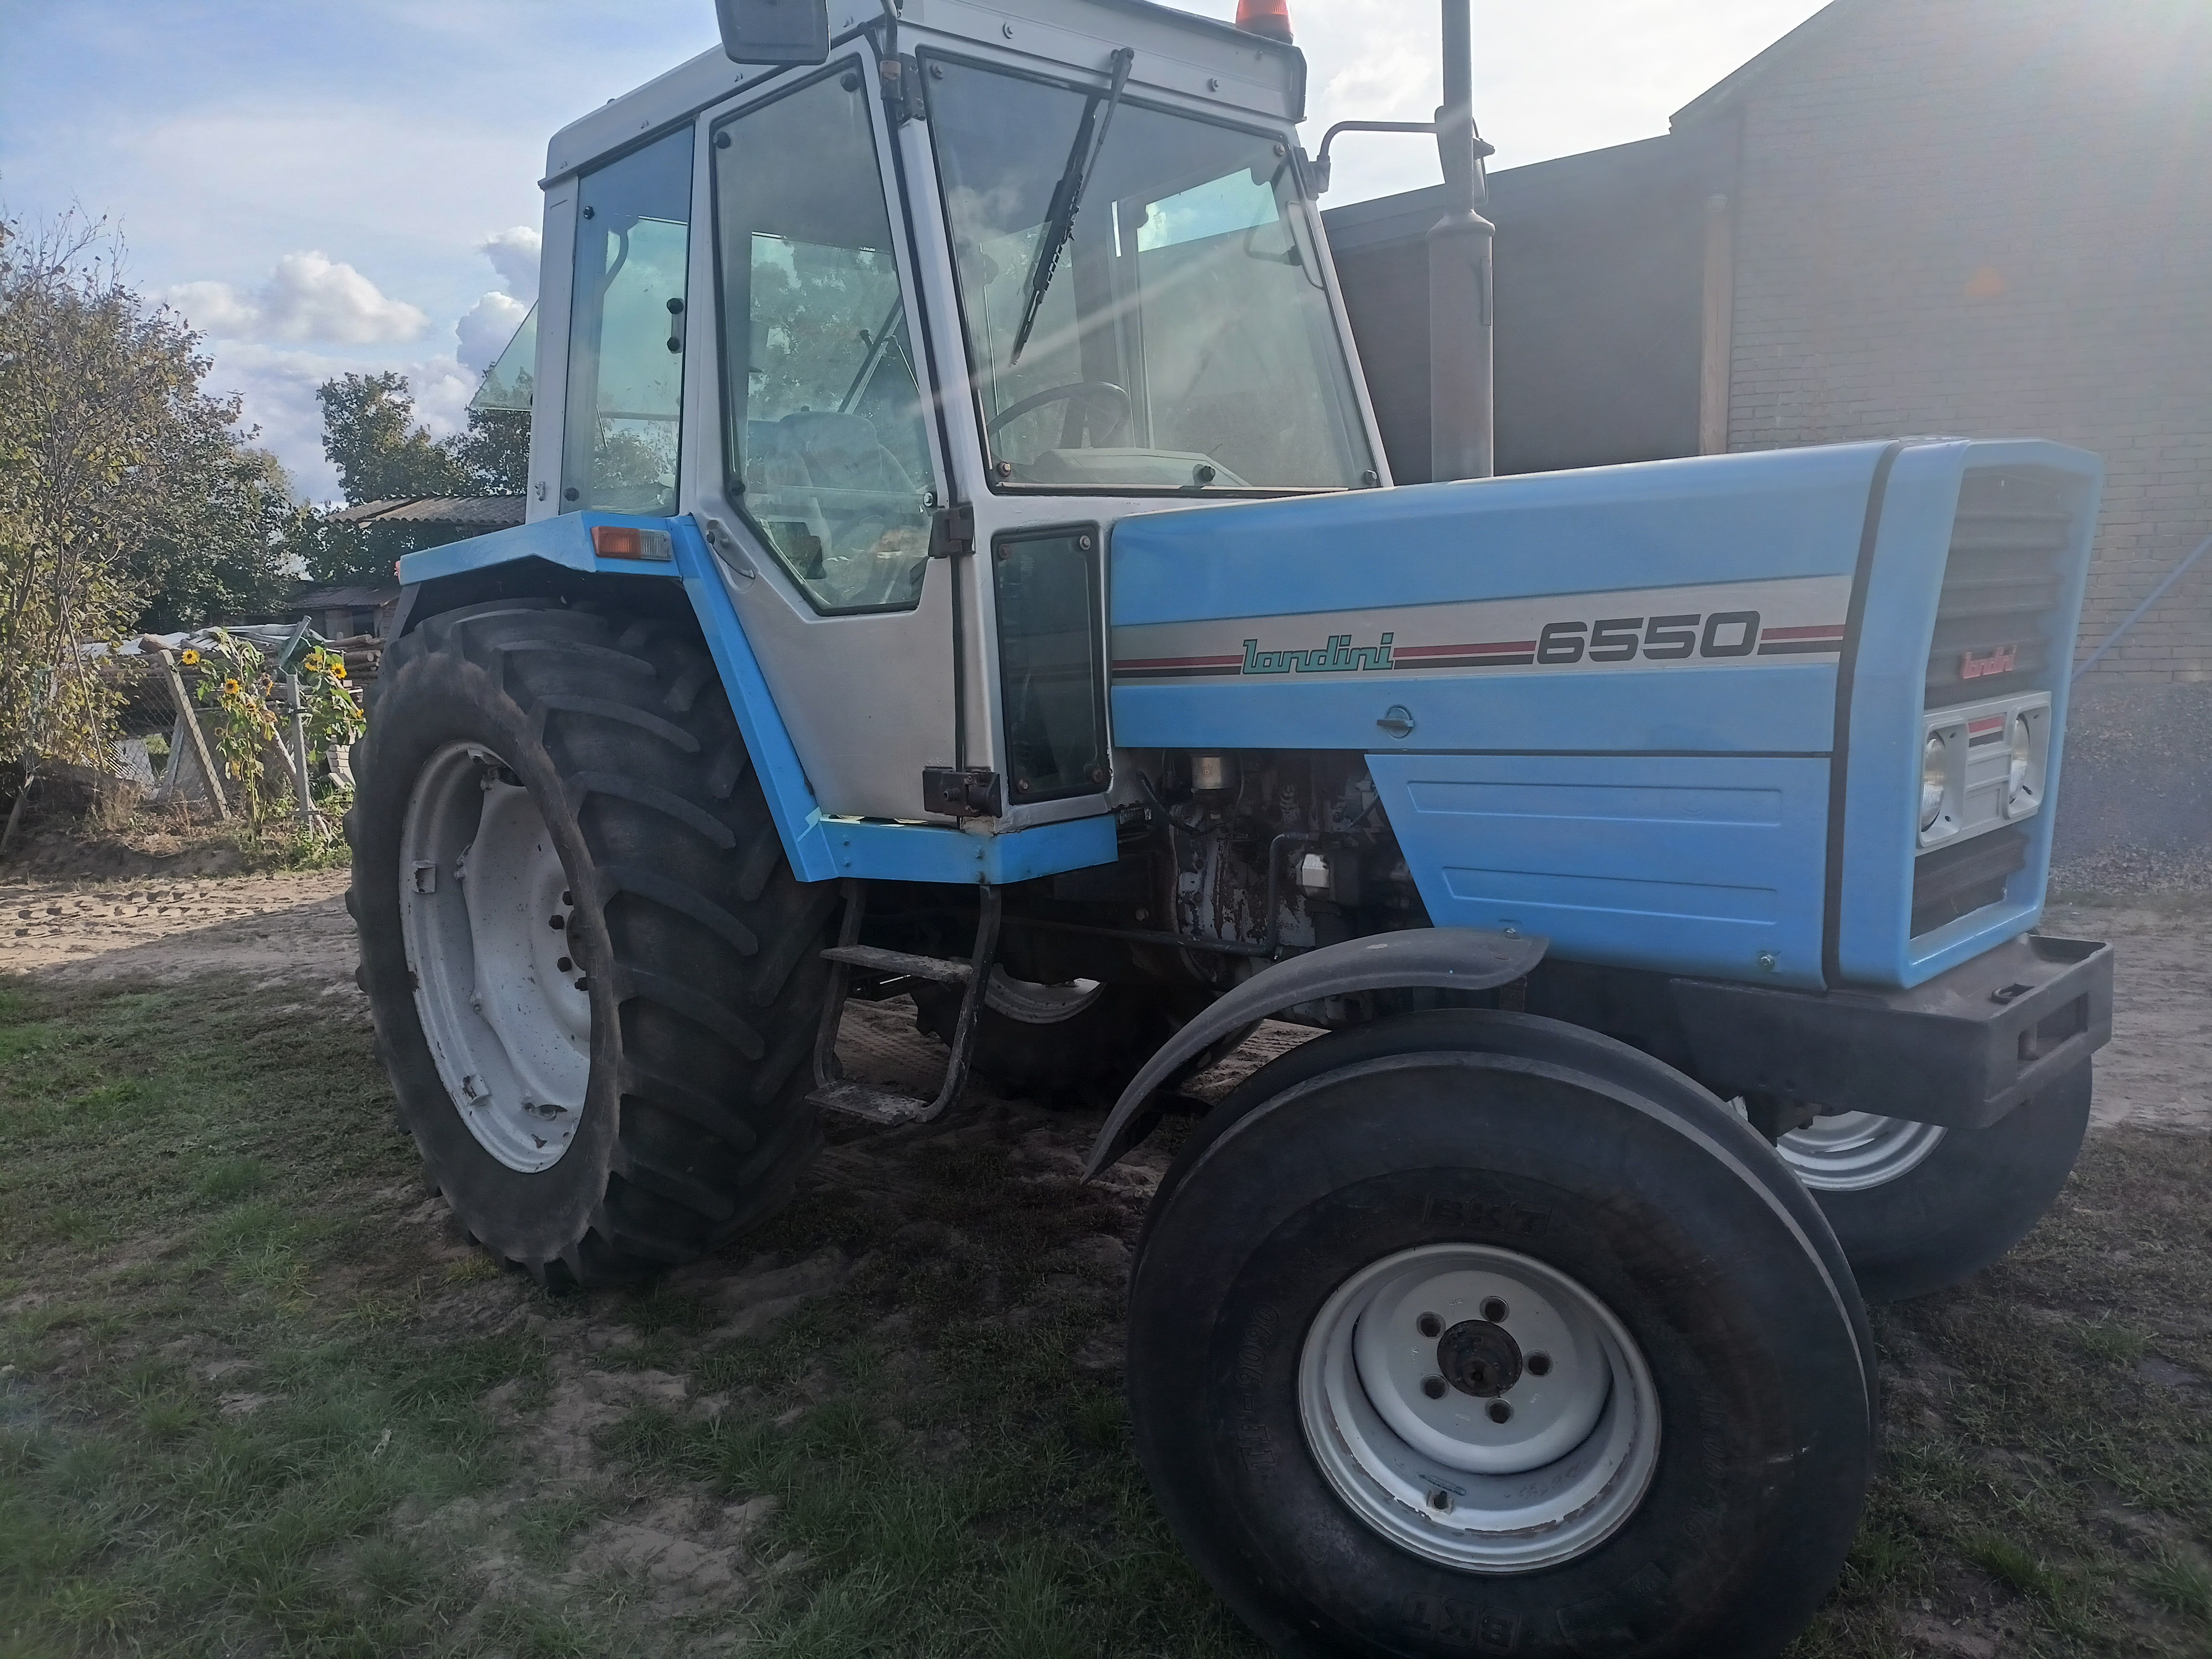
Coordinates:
x,y
1935,781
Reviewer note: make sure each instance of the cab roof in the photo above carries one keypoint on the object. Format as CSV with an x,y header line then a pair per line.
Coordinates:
x,y
1176,51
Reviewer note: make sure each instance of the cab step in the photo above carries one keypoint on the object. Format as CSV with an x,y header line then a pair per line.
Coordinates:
x,y
833,1093
867,1100
943,970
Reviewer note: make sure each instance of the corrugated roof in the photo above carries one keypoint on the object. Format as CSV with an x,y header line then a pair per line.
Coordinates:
x,y
333,599
479,512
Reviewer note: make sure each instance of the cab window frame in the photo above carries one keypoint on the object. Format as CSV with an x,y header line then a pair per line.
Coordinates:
x,y
570,490
977,372
852,58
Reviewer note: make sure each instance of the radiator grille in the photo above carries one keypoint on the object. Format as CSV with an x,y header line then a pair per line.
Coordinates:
x,y
2000,585
1958,880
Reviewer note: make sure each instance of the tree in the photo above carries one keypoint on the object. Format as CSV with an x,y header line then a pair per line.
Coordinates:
x,y
370,435
127,493
228,549
496,449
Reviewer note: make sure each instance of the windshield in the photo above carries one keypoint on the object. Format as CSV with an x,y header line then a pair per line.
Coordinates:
x,y
1181,339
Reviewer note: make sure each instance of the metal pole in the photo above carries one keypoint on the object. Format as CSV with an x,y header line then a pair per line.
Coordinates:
x,y
300,749
2138,613
1462,440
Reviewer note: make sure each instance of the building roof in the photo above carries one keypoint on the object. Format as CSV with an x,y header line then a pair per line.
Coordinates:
x,y
1517,193
1724,93
335,599
477,511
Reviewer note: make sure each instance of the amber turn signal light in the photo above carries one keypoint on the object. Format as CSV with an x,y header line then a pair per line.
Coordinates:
x,y
622,541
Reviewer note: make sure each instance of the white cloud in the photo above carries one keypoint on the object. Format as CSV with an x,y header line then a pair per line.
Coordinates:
x,y
513,254
487,327
309,297
278,390
442,388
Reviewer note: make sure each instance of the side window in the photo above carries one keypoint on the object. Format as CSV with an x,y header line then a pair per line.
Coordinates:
x,y
825,441
626,331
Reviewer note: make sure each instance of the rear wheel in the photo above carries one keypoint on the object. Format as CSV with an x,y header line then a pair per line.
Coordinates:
x,y
1918,1206
1471,1333
594,978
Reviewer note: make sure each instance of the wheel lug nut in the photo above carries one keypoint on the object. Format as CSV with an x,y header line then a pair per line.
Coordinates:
x,y
1499,1411
1434,1386
1429,1325
555,922
565,965
1539,1363
1494,1310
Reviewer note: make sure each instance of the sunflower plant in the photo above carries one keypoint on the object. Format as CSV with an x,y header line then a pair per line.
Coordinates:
x,y
330,705
236,685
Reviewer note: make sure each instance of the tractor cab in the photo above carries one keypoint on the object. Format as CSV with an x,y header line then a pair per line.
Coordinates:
x,y
971,281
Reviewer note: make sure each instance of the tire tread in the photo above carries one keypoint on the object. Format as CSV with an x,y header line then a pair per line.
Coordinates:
x,y
715,940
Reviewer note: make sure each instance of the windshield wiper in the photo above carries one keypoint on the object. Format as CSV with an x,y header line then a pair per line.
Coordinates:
x,y
1068,194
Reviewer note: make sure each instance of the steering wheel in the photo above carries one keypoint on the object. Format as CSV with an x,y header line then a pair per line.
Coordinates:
x,y
1101,391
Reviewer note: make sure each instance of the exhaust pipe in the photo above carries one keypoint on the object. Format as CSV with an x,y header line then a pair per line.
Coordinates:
x,y
1462,435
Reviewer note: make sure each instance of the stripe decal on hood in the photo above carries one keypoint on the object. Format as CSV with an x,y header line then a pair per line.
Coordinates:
x,y
1723,625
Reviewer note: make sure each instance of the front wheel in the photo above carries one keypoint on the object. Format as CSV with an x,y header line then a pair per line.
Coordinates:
x,y
1470,1333
1919,1207
594,978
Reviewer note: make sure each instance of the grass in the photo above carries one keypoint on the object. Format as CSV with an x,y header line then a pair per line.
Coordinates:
x,y
248,1405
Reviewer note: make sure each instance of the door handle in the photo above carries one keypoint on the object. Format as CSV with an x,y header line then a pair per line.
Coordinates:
x,y
725,545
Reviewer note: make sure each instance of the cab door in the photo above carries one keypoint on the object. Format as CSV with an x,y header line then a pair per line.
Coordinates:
x,y
813,454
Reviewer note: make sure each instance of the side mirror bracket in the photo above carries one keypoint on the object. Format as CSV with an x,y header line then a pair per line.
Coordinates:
x,y
774,31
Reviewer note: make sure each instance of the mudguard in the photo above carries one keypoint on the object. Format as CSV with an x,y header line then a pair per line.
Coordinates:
x,y
1431,958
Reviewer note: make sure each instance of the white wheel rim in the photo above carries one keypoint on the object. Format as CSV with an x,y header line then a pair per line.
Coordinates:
x,y
1436,1473
480,886
1851,1151
1040,1004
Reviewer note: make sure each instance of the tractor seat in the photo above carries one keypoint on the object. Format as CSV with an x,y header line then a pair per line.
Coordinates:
x,y
840,451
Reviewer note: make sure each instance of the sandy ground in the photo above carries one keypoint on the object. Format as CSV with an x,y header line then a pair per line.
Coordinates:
x,y
2157,1069
294,930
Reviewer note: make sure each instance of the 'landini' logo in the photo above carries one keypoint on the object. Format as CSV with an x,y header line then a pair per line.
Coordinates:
x,y
1338,656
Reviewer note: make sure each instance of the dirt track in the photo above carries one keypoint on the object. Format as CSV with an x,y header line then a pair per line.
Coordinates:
x,y
295,930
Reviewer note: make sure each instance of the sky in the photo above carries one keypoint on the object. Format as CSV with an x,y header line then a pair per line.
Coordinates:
x,y
326,185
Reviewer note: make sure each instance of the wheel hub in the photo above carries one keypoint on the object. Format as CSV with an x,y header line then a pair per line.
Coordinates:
x,y
1479,1358
1478,1407
485,907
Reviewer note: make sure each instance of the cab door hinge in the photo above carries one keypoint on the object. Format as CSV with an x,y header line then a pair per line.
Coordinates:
x,y
903,100
952,532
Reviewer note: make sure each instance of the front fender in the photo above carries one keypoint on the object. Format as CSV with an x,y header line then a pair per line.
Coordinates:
x,y
820,846
1428,958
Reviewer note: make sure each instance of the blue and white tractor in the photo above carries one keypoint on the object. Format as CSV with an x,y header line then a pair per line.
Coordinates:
x,y
962,562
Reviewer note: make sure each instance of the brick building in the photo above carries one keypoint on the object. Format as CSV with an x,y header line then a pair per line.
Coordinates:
x,y
1989,217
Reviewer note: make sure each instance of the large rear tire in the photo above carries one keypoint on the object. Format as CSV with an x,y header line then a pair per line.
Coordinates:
x,y
1470,1333
594,978
1919,1209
